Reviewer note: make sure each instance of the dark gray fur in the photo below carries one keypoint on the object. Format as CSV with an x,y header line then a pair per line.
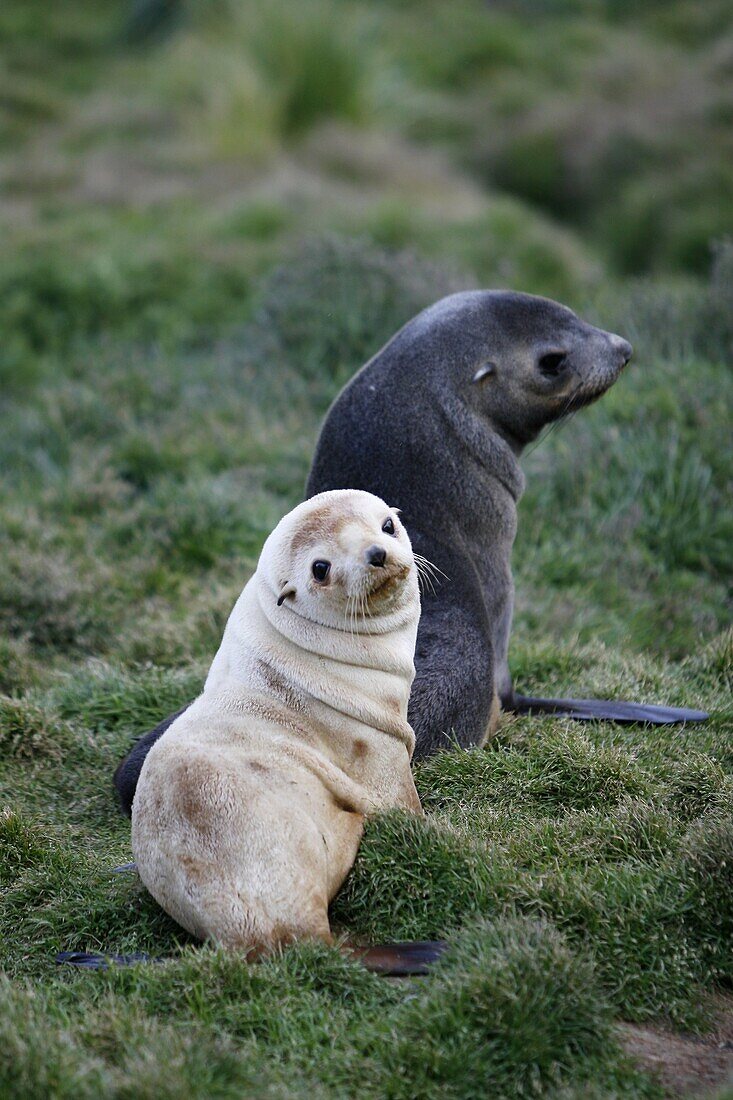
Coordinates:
x,y
435,424
414,427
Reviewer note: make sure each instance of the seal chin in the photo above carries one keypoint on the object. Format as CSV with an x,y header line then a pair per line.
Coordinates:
x,y
386,581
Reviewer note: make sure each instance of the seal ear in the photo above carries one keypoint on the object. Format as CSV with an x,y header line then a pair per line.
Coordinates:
x,y
288,590
484,370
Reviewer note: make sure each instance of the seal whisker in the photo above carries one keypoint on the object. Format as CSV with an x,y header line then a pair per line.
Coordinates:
x,y
347,627
365,611
428,568
353,605
540,438
566,414
424,579
422,560
427,574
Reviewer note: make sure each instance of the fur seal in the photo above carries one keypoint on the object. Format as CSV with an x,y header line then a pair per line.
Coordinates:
x,y
481,373
437,422
250,808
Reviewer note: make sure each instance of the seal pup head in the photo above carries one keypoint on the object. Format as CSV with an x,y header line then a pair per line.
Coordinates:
x,y
340,558
521,361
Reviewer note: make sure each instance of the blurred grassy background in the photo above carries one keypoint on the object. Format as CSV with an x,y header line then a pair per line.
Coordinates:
x,y
213,212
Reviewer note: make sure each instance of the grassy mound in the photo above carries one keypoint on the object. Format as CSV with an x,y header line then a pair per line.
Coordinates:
x,y
582,873
192,266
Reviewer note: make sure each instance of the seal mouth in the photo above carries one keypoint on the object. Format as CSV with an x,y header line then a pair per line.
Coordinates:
x,y
586,395
388,579
579,400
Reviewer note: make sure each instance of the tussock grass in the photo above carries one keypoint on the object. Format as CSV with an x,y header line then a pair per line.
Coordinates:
x,y
581,872
209,1018
192,267
18,670
706,855
337,301
563,771
620,885
103,698
27,730
497,975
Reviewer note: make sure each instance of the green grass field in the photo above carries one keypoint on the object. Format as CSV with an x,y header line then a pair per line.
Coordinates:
x,y
207,226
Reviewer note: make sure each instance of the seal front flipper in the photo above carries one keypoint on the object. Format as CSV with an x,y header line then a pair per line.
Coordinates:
x,y
608,710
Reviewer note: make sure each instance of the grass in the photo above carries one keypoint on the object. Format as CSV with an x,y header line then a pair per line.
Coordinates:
x,y
191,270
583,870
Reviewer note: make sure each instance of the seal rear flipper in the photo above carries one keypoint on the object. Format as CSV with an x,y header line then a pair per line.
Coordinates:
x,y
400,959
609,710
95,960
389,959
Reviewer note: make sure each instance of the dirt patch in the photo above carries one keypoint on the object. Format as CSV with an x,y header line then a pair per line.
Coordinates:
x,y
686,1065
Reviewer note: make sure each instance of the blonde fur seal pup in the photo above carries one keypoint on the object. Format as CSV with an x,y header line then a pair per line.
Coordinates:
x,y
250,808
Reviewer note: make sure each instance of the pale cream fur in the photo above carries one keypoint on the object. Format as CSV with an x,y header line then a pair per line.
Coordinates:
x,y
250,808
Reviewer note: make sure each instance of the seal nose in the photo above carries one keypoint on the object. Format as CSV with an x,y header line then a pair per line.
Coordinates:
x,y
376,556
623,346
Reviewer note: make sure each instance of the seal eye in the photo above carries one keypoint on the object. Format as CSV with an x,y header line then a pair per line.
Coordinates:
x,y
320,570
551,364
388,526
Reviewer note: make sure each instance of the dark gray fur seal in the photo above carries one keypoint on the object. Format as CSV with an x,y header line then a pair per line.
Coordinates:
x,y
438,419
435,423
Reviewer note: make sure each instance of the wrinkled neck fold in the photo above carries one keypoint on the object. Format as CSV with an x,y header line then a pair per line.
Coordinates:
x,y
362,677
